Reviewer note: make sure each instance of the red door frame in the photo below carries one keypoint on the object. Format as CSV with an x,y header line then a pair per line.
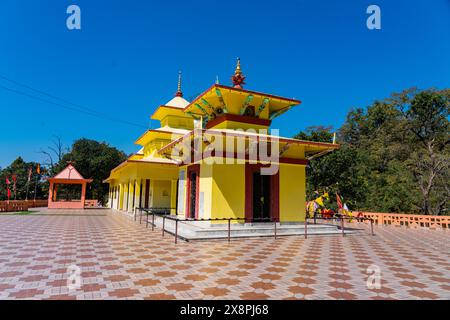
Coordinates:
x,y
274,192
193,168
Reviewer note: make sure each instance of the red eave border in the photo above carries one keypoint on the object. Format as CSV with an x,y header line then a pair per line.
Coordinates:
x,y
280,139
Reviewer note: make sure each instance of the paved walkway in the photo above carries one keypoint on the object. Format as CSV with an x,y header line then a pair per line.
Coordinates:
x,y
120,259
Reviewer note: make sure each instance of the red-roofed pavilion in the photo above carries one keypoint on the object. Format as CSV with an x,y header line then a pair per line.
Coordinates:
x,y
67,189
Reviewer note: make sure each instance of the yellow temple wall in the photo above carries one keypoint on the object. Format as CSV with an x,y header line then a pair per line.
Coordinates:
x,y
228,191
178,122
161,193
206,182
239,125
173,196
292,192
121,196
182,184
151,148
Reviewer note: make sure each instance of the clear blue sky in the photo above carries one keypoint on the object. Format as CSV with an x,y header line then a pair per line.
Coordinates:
x,y
124,61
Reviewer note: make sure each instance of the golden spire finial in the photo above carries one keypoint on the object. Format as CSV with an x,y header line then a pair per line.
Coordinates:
x,y
238,78
238,66
179,92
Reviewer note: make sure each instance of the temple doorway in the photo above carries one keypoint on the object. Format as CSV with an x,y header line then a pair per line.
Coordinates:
x,y
193,177
261,197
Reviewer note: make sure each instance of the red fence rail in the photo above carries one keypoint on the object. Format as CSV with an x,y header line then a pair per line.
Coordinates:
x,y
408,220
90,203
21,205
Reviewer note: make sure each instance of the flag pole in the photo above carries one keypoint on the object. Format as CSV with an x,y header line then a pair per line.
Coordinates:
x,y
38,172
14,177
35,187
8,191
28,182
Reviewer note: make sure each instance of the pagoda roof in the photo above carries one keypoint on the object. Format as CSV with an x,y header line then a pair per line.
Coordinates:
x,y
69,175
149,161
164,110
161,133
178,102
277,103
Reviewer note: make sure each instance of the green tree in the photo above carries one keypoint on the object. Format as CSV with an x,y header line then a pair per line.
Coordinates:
x,y
426,115
394,155
20,168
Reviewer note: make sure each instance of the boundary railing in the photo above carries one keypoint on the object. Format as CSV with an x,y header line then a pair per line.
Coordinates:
x,y
21,205
338,218
90,203
408,220
164,213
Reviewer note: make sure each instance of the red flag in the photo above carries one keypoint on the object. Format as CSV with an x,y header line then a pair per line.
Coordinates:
x,y
9,194
7,181
339,201
14,178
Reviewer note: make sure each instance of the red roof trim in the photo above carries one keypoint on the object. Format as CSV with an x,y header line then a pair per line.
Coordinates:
x,y
287,140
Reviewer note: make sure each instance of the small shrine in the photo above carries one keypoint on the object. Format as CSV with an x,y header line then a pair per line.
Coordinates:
x,y
67,189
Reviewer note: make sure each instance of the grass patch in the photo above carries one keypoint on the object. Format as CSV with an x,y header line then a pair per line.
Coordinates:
x,y
18,213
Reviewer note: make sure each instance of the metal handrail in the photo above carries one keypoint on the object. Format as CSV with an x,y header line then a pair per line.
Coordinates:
x,y
166,215
341,217
151,211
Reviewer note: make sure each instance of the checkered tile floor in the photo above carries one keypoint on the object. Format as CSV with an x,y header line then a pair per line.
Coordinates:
x,y
120,259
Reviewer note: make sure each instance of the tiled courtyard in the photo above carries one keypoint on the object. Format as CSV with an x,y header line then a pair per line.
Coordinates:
x,y
121,259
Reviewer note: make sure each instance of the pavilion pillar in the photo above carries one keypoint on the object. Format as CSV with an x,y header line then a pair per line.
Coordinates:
x,y
129,202
137,194
120,200
132,195
173,197
125,195
55,192
109,196
151,192
115,197
50,193
83,194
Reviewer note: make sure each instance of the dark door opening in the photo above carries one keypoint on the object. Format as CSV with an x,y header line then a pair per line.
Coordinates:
x,y
147,192
261,196
192,193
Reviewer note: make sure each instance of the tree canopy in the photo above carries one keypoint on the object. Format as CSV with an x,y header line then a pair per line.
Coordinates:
x,y
394,155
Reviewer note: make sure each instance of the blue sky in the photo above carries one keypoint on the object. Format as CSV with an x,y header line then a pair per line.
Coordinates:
x,y
124,61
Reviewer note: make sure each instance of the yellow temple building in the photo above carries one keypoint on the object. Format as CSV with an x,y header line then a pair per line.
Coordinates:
x,y
215,157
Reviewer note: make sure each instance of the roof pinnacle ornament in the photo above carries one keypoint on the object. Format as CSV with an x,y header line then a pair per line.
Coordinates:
x,y
238,78
179,93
